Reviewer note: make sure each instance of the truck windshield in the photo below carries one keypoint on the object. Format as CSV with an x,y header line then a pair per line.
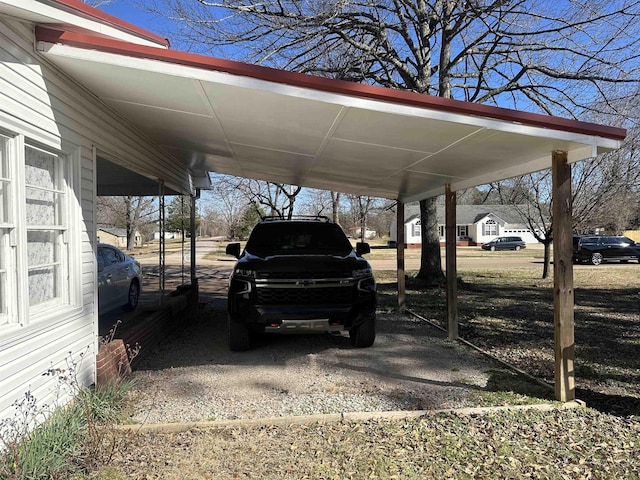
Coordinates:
x,y
298,238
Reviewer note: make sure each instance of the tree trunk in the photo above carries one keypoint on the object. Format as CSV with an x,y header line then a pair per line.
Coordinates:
x,y
335,205
129,223
430,259
547,258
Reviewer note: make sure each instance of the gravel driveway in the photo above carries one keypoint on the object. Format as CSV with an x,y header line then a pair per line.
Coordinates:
x,y
412,366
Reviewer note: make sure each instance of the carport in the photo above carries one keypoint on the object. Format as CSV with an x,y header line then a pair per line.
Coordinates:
x,y
212,115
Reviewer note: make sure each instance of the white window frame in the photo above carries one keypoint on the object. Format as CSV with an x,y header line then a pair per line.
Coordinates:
x,y
489,227
14,246
415,229
8,304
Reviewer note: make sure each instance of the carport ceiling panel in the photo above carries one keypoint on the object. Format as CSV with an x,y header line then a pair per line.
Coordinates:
x,y
401,131
172,129
490,151
351,182
137,86
412,183
253,159
365,159
270,120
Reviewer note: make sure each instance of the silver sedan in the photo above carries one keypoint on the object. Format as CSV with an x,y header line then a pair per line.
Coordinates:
x,y
119,279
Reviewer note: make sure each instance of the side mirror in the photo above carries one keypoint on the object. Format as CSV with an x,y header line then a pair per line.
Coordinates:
x,y
362,248
233,249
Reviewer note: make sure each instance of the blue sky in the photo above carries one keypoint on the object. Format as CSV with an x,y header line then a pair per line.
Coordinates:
x,y
126,11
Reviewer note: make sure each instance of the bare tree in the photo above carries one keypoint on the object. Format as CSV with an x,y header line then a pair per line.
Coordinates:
x,y
322,202
277,198
316,202
97,3
552,57
128,212
361,207
228,202
530,196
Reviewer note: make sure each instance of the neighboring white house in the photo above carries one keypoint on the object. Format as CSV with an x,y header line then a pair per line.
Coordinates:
x,y
475,224
56,140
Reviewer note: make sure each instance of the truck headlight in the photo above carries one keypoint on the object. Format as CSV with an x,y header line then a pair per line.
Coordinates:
x,y
362,272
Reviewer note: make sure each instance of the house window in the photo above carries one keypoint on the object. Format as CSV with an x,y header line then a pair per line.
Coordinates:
x,y
415,229
441,231
6,226
463,231
34,232
46,225
490,227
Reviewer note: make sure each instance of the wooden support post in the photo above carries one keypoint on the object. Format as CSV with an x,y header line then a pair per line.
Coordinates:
x,y
400,241
192,229
161,242
563,278
451,262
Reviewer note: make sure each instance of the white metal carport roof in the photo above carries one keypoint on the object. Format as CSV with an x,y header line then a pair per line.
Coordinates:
x,y
233,118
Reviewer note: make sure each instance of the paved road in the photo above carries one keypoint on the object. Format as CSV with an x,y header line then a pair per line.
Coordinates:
x,y
213,273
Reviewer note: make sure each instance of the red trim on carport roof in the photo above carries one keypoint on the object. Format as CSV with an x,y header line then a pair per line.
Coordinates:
x,y
108,45
117,22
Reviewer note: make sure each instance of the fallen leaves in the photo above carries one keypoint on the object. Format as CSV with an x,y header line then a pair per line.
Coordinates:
x,y
575,444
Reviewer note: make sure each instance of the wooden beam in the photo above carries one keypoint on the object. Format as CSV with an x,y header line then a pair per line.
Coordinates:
x,y
400,241
451,262
192,229
563,278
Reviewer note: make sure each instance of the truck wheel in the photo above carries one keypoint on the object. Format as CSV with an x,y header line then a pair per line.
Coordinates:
x,y
363,335
596,258
238,336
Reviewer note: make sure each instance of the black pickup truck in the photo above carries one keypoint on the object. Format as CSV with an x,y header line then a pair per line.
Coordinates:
x,y
300,276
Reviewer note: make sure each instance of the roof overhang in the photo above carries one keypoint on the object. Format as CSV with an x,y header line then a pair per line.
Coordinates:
x,y
221,116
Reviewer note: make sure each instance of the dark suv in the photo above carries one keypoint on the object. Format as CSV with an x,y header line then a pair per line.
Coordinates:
x,y
300,276
601,248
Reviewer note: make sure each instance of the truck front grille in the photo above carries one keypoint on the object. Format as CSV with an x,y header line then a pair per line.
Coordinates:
x,y
313,275
305,296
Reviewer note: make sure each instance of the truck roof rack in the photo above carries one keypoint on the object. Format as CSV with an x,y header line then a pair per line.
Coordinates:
x,y
318,218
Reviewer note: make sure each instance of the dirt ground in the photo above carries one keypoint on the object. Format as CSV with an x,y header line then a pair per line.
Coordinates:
x,y
194,376
412,366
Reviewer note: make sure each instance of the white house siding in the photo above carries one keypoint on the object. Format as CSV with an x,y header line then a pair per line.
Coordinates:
x,y
412,227
409,237
41,105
